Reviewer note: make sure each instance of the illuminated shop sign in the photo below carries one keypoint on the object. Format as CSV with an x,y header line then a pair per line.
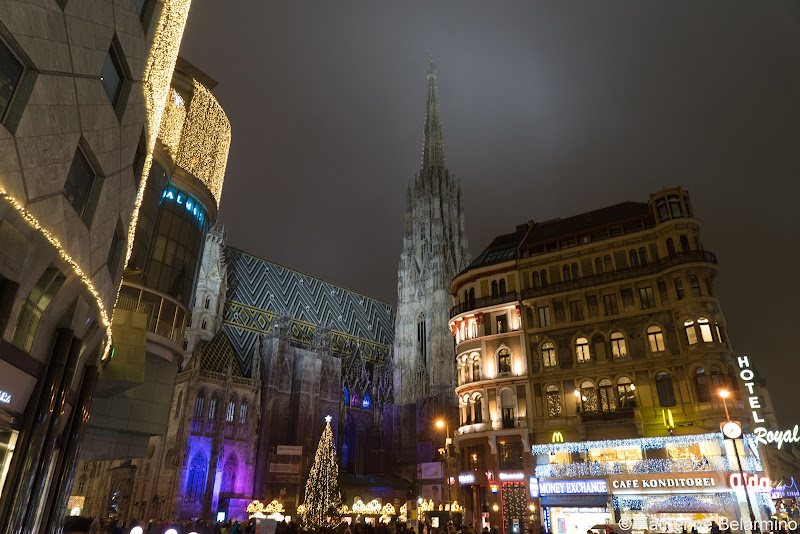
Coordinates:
x,y
584,510
573,487
512,476
534,486
752,481
683,482
557,437
187,201
5,398
466,478
762,435
785,491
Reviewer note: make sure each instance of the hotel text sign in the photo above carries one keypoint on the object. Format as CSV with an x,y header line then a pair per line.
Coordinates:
x,y
762,435
573,487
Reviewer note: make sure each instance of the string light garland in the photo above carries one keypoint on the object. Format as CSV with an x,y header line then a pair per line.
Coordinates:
x,y
205,140
53,240
172,123
403,513
388,509
675,502
322,495
669,465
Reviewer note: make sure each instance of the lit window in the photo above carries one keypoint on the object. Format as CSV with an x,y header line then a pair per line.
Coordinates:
x,y
655,338
476,370
625,389
243,413
719,332
198,405
82,188
504,361
212,408
582,349
705,330
553,402
549,355
646,296
691,333
367,402
231,411
618,349
608,400
588,397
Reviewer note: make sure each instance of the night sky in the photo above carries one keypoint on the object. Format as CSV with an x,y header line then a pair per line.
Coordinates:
x,y
549,110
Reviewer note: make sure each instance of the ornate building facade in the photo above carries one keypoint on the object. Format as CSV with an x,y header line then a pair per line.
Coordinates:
x,y
434,251
270,353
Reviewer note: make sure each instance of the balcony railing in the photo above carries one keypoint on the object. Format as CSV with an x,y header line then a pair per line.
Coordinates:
x,y
694,256
483,302
166,316
620,414
632,467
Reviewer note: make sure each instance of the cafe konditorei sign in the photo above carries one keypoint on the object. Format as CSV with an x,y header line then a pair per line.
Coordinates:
x,y
762,435
668,482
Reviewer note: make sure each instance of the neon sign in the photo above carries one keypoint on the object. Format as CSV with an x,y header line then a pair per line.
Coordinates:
x,y
512,476
762,435
182,199
572,487
753,482
534,487
786,490
5,398
466,478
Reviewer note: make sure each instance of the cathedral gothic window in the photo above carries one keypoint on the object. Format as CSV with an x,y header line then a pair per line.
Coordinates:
x,y
198,405
196,482
243,413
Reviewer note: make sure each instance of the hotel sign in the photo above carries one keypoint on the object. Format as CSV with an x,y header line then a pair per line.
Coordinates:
x,y
667,482
762,435
573,487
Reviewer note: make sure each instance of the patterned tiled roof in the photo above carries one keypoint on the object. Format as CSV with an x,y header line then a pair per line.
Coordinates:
x,y
215,355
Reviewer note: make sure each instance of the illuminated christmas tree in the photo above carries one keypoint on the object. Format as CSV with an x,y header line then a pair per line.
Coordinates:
x,y
322,487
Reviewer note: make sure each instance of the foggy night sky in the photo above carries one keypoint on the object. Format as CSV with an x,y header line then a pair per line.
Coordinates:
x,y
549,110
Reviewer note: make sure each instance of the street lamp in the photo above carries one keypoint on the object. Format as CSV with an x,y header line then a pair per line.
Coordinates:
x,y
577,399
724,394
733,431
442,423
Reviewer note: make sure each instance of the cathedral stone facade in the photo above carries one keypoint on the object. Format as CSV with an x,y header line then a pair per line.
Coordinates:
x,y
434,252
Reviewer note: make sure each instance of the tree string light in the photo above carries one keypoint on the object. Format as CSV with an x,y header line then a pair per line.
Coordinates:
x,y
322,493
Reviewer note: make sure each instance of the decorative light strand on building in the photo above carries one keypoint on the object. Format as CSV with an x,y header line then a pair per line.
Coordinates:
x,y
205,140
172,122
658,442
658,465
25,214
677,502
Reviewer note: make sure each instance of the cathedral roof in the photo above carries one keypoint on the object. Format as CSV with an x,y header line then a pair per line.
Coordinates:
x,y
533,236
216,355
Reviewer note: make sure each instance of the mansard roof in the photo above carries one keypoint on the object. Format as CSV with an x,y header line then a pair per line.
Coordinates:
x,y
216,355
533,236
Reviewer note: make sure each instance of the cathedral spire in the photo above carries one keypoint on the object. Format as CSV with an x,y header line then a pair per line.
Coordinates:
x,y
433,140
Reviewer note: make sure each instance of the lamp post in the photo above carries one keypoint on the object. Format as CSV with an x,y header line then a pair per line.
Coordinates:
x,y
733,430
442,423
577,393
724,394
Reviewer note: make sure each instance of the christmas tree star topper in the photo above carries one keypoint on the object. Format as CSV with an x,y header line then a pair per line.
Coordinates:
x,y
328,418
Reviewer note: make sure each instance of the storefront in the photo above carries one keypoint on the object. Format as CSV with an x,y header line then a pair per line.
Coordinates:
x,y
16,387
573,506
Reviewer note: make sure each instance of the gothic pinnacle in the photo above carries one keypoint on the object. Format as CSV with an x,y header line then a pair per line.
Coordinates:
x,y
433,140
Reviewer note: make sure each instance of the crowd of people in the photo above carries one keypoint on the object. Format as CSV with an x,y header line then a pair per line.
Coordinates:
x,y
88,525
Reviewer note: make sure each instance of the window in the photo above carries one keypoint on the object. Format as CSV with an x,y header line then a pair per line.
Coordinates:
x,y
543,276
625,389
675,206
598,266
695,285
536,282
717,378
575,273
212,408
670,247
37,302
684,243
476,370
661,209
666,395
691,334
634,258
566,272
544,316
646,296
504,361
478,406
588,397
549,355
11,70
83,185
178,406
208,303
576,310
231,410
701,384
196,482
112,75
705,330
472,458
367,402
608,401
582,349
510,455
138,160
642,256
422,339
679,289
243,413
354,399
719,332
204,324
610,304
553,401
618,349
81,487
495,290
116,250
655,338
229,474
608,264
502,323
198,405
502,287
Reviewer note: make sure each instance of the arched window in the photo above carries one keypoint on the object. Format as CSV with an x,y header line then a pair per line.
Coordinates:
x,y
670,247
575,273
589,397
476,370
582,349
655,338
565,271
719,332
691,334
553,401
536,282
478,409
243,412
502,287
618,348
695,284
466,296
679,289
472,296
231,411
642,256
504,361
473,329
625,389
543,274
608,401
508,413
346,396
701,384
549,355
598,266
466,410
666,395
705,330
495,291
196,481
198,404
212,407
204,324
354,399
177,412
684,243
717,378
367,402
634,258
675,206
208,303
229,474
608,264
